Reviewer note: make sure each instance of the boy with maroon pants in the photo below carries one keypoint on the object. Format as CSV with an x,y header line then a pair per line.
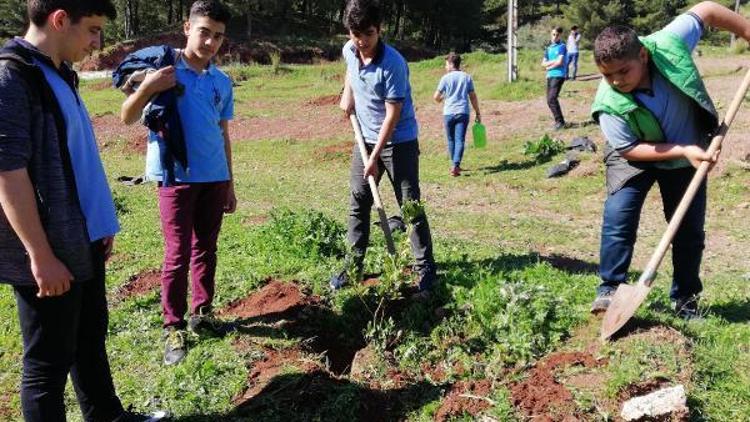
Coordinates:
x,y
192,198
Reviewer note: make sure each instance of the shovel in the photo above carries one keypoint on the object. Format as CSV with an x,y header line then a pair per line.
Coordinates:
x,y
373,186
627,299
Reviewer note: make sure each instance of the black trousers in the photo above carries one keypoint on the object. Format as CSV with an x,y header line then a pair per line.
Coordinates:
x,y
554,85
66,335
400,162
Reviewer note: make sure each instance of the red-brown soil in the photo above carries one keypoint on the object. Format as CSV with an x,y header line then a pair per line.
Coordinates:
x,y
541,395
465,397
140,284
276,297
326,100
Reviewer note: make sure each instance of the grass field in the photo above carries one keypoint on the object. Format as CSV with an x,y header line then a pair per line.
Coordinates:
x,y
517,255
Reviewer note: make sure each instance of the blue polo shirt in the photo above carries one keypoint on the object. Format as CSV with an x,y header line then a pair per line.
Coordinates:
x,y
552,52
207,100
386,78
455,87
676,112
94,195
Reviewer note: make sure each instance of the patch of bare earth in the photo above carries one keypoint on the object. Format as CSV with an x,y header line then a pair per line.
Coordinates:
x,y
109,128
6,412
542,396
274,299
139,285
465,397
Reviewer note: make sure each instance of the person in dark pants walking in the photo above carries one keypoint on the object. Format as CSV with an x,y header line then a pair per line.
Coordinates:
x,y
377,88
554,63
58,218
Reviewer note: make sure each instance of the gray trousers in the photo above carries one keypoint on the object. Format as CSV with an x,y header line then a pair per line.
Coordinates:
x,y
401,163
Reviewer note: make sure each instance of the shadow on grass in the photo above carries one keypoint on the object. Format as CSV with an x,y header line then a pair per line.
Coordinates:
x,y
505,165
319,396
736,312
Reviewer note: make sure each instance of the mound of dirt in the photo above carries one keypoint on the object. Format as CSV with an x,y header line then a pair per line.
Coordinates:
x,y
541,395
272,363
465,397
276,297
139,285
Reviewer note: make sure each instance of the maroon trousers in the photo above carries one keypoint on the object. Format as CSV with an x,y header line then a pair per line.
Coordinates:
x,y
191,215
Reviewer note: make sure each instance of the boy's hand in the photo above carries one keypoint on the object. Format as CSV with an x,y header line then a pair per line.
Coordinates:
x,y
159,81
52,276
371,168
230,204
696,155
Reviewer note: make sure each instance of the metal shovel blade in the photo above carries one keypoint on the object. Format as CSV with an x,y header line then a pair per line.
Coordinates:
x,y
625,302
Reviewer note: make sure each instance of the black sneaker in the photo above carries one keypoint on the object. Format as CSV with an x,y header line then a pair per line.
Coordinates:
x,y
207,325
129,416
687,308
427,278
340,279
601,302
175,345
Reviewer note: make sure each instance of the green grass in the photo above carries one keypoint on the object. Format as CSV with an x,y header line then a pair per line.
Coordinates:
x,y
502,304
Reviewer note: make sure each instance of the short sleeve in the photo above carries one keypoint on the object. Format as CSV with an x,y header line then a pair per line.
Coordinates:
x,y
227,112
441,85
689,27
469,84
15,121
396,82
617,132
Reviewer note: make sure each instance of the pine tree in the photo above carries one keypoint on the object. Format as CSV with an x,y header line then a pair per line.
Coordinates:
x,y
12,18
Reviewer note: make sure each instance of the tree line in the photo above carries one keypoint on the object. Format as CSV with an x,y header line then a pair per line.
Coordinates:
x,y
460,25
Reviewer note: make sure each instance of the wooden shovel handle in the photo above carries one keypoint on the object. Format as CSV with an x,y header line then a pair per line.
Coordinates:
x,y
649,274
373,186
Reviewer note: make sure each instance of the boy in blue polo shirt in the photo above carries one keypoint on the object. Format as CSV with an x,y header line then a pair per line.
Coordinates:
x,y
656,115
192,205
377,89
554,63
456,88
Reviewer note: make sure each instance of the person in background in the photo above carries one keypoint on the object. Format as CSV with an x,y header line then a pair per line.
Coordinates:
x,y
456,89
554,63
574,38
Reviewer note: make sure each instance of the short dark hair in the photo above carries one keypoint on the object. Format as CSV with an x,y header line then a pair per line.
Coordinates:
x,y
362,14
213,9
454,59
617,42
39,10
574,28
558,29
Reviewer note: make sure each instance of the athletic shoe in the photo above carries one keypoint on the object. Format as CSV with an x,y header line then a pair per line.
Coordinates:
x,y
175,347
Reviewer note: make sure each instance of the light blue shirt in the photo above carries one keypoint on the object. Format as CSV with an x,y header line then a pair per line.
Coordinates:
x,y
455,87
94,195
386,78
207,100
676,112
552,52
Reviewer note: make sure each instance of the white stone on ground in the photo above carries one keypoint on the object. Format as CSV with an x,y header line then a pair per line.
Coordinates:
x,y
662,402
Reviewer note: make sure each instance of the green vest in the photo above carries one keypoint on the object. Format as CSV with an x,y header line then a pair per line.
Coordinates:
x,y
672,58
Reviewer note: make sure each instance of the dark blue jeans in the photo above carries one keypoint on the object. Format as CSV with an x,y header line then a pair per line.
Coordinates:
x,y
455,131
572,59
66,335
620,224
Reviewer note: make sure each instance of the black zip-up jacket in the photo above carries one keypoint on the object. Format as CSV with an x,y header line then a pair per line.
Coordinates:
x,y
33,136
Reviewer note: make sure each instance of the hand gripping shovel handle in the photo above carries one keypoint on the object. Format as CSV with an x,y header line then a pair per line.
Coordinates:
x,y
373,186
649,274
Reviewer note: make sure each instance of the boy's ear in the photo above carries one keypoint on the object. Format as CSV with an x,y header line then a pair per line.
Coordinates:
x,y
58,19
643,55
186,27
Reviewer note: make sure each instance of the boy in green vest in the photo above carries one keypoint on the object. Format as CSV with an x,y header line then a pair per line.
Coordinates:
x,y
656,116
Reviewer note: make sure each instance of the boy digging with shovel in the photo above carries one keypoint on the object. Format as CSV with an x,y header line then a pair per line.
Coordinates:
x,y
656,115
377,88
